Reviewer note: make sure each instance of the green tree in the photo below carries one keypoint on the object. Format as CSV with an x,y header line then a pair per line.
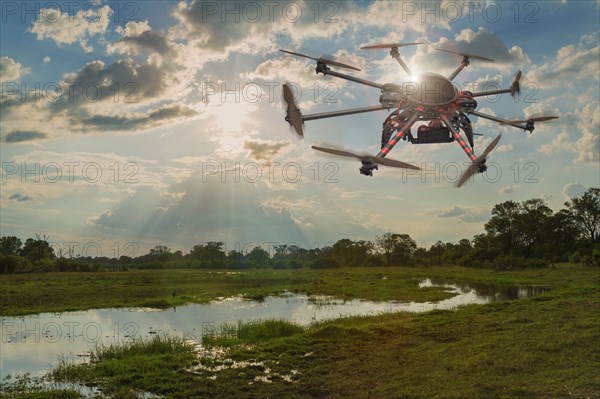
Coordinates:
x,y
398,249
502,227
10,245
210,252
37,249
258,257
160,252
532,224
586,213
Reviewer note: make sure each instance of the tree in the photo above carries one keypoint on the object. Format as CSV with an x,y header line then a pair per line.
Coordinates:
x,y
161,252
532,223
38,249
10,245
343,251
258,257
586,212
397,248
503,225
212,252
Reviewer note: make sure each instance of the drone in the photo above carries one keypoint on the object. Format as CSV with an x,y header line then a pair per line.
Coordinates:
x,y
428,97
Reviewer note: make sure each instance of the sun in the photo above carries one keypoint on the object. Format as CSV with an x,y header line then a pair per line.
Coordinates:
x,y
232,114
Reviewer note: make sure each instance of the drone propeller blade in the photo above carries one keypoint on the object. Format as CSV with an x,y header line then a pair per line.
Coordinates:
x,y
293,115
515,87
335,151
366,158
474,56
299,55
394,163
323,60
389,45
480,160
530,120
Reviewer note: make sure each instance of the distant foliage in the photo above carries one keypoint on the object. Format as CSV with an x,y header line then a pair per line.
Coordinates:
x,y
517,236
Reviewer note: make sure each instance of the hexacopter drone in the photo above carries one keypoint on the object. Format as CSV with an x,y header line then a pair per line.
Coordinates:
x,y
430,97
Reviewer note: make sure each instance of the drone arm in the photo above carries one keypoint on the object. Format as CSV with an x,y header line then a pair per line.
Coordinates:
x,y
496,119
463,64
350,111
351,78
458,137
394,140
491,92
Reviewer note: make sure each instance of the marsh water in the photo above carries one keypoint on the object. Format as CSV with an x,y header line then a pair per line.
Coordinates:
x,y
34,344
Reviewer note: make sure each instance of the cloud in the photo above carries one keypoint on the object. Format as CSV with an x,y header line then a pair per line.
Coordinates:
x,y
46,59
488,44
508,189
10,70
138,35
456,211
264,150
153,118
481,42
572,63
20,197
20,136
584,140
63,28
573,190
204,209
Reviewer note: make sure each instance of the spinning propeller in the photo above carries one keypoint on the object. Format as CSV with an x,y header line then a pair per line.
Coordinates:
x,y
474,56
323,61
529,123
389,45
293,115
368,158
515,87
479,163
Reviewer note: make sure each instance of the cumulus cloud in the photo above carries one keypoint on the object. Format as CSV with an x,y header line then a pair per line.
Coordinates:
x,y
481,42
10,70
264,150
580,136
468,215
573,190
46,59
572,63
137,36
63,28
456,211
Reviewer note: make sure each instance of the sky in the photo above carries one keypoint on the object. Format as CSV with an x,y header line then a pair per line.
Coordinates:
x,y
126,125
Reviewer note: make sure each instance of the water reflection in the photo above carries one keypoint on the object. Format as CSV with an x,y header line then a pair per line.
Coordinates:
x,y
35,343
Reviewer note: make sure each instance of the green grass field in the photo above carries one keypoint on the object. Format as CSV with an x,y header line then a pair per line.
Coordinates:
x,y
547,346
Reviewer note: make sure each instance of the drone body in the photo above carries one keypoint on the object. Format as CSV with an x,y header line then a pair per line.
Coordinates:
x,y
429,97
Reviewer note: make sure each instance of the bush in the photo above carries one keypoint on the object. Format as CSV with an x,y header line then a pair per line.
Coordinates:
x,y
325,263
512,262
14,264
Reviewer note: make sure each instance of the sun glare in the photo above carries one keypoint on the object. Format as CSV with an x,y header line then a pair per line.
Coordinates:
x,y
232,114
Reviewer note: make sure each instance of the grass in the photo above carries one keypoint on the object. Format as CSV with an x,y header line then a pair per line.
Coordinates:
x,y
546,346
56,292
250,332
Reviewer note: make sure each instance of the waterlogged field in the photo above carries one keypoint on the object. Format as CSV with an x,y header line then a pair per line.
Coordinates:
x,y
545,346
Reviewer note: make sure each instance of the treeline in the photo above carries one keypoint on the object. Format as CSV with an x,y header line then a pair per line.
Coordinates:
x,y
518,235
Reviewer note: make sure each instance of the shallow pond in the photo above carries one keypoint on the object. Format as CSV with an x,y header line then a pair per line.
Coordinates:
x,y
35,343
